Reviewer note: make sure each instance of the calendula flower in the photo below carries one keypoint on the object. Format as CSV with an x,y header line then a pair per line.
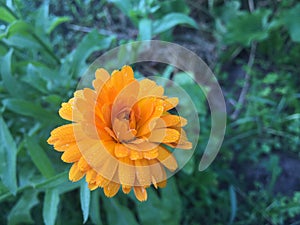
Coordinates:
x,y
120,134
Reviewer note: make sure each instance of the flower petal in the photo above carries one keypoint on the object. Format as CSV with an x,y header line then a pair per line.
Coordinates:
x,y
121,151
83,165
149,88
126,172
167,158
167,135
170,103
126,189
71,155
140,193
101,77
143,172
111,189
152,154
75,173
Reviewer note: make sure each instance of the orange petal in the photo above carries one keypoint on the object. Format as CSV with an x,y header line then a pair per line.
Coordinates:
x,y
92,186
109,168
167,135
134,155
82,105
167,158
90,176
152,154
162,184
172,120
143,172
83,165
121,151
101,77
158,173
75,173
111,189
101,181
126,189
140,193
64,134
170,103
90,95
126,172
150,123
65,111
149,88
71,155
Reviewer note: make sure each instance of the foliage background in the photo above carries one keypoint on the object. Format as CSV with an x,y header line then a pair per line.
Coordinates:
x,y
252,47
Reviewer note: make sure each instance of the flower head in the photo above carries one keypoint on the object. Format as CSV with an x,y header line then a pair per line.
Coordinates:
x,y
120,134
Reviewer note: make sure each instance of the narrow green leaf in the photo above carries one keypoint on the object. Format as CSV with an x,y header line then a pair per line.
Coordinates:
x,y
8,157
35,79
124,5
39,157
20,213
90,43
22,28
95,208
151,207
6,15
145,29
171,20
10,83
85,196
233,204
56,22
18,27
27,108
51,202
60,180
53,182
172,206
118,214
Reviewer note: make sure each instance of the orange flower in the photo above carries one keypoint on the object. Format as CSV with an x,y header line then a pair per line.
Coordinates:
x,y
120,134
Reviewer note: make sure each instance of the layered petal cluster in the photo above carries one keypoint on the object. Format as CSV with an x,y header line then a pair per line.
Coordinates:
x,y
121,133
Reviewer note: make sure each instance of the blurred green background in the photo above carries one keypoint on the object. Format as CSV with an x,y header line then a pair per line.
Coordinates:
x,y
253,47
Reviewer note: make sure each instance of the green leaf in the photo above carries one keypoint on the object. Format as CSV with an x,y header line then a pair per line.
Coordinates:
x,y
6,15
172,205
56,22
95,208
27,108
8,157
248,27
39,157
18,27
85,196
55,181
291,21
60,180
151,207
51,202
20,213
171,20
34,78
145,29
90,43
124,5
24,29
233,204
118,214
10,83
